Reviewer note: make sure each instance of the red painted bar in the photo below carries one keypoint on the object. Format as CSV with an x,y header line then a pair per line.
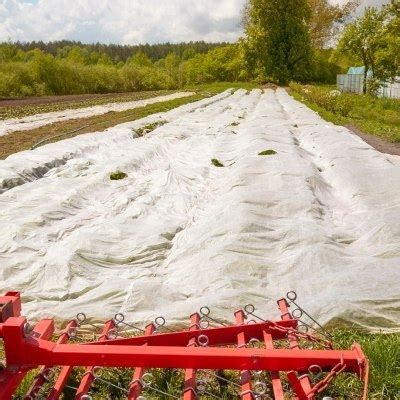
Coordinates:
x,y
136,386
245,375
189,392
41,380
88,377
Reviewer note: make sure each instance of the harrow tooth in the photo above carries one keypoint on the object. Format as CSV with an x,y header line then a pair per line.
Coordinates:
x,y
203,351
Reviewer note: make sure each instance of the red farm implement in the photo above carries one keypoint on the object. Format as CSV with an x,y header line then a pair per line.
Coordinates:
x,y
254,358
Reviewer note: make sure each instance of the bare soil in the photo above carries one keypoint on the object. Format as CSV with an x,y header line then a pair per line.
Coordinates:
x,y
376,142
28,101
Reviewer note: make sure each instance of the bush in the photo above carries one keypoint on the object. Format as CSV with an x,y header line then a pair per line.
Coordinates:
x,y
331,100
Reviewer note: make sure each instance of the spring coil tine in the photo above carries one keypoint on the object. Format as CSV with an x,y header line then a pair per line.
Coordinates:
x,y
214,374
160,322
292,297
201,386
147,383
249,310
205,314
119,319
81,320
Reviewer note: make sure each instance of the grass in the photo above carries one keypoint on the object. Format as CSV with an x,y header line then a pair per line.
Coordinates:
x,y
19,111
379,117
382,350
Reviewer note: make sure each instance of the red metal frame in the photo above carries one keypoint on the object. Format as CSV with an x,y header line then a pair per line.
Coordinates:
x,y
226,348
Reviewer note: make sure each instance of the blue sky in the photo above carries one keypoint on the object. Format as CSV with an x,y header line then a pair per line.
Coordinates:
x,y
123,21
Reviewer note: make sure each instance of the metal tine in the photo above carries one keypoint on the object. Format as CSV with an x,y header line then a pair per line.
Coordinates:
x,y
205,314
249,310
292,297
97,377
160,322
119,319
47,370
88,376
81,320
147,381
136,387
219,377
201,386
305,384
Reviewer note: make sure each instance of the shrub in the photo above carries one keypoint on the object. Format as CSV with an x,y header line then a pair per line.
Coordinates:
x,y
331,100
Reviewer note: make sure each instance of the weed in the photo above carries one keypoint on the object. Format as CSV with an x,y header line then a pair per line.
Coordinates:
x,y
267,153
217,163
118,175
144,130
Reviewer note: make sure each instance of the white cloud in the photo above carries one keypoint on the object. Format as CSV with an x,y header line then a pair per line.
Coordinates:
x,y
123,21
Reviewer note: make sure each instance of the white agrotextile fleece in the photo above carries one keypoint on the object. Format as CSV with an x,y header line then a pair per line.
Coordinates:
x,y
35,121
321,217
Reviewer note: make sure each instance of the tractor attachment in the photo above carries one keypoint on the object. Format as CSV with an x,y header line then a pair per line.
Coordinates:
x,y
253,359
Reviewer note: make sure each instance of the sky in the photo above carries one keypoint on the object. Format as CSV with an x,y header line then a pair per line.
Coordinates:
x,y
124,21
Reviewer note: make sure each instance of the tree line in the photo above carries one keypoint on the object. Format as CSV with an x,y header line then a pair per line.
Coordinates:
x,y
285,40
118,52
79,70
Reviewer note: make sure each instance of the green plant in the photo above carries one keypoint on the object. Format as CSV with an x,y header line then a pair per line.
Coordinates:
x,y
331,100
267,153
118,175
217,163
144,130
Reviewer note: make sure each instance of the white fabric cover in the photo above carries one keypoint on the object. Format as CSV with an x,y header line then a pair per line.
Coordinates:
x,y
321,217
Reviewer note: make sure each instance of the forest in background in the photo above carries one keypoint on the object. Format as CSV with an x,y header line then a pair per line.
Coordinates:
x,y
79,69
268,52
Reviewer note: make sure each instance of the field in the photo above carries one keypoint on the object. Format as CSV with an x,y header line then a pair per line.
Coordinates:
x,y
146,208
27,139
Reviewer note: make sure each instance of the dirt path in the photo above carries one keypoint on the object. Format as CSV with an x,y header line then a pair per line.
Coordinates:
x,y
376,142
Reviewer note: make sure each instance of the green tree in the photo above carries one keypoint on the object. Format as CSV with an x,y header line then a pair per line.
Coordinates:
x,y
278,40
326,20
78,55
388,54
362,40
141,59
